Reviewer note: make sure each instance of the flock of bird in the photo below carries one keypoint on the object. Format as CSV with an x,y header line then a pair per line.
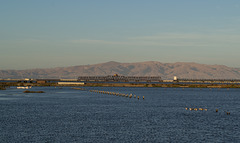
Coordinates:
x,y
134,96
116,94
202,109
196,109
113,93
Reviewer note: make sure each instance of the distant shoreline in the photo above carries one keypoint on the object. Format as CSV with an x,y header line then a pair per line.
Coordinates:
x,y
163,85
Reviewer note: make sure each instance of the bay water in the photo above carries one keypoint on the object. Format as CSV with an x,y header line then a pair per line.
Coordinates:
x,y
68,115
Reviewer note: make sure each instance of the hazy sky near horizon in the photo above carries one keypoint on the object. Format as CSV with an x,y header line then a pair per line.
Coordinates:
x,y
59,33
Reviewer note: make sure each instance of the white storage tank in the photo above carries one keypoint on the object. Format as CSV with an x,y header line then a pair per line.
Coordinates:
x,y
175,78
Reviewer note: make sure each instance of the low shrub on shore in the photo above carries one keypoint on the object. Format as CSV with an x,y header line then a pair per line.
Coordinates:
x,y
2,88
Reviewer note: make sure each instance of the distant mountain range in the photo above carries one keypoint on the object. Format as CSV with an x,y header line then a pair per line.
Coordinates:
x,y
151,68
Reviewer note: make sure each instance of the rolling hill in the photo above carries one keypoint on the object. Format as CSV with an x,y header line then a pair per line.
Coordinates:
x,y
150,68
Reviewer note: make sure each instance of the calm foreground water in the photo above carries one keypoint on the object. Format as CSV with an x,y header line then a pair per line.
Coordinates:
x,y
68,115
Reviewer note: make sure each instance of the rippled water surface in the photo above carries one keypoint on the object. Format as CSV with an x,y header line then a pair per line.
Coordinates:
x,y
68,115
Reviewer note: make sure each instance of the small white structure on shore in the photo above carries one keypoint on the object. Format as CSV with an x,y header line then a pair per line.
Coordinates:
x,y
175,78
71,83
23,87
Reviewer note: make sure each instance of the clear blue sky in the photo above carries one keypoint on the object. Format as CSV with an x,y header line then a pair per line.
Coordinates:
x,y
59,33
